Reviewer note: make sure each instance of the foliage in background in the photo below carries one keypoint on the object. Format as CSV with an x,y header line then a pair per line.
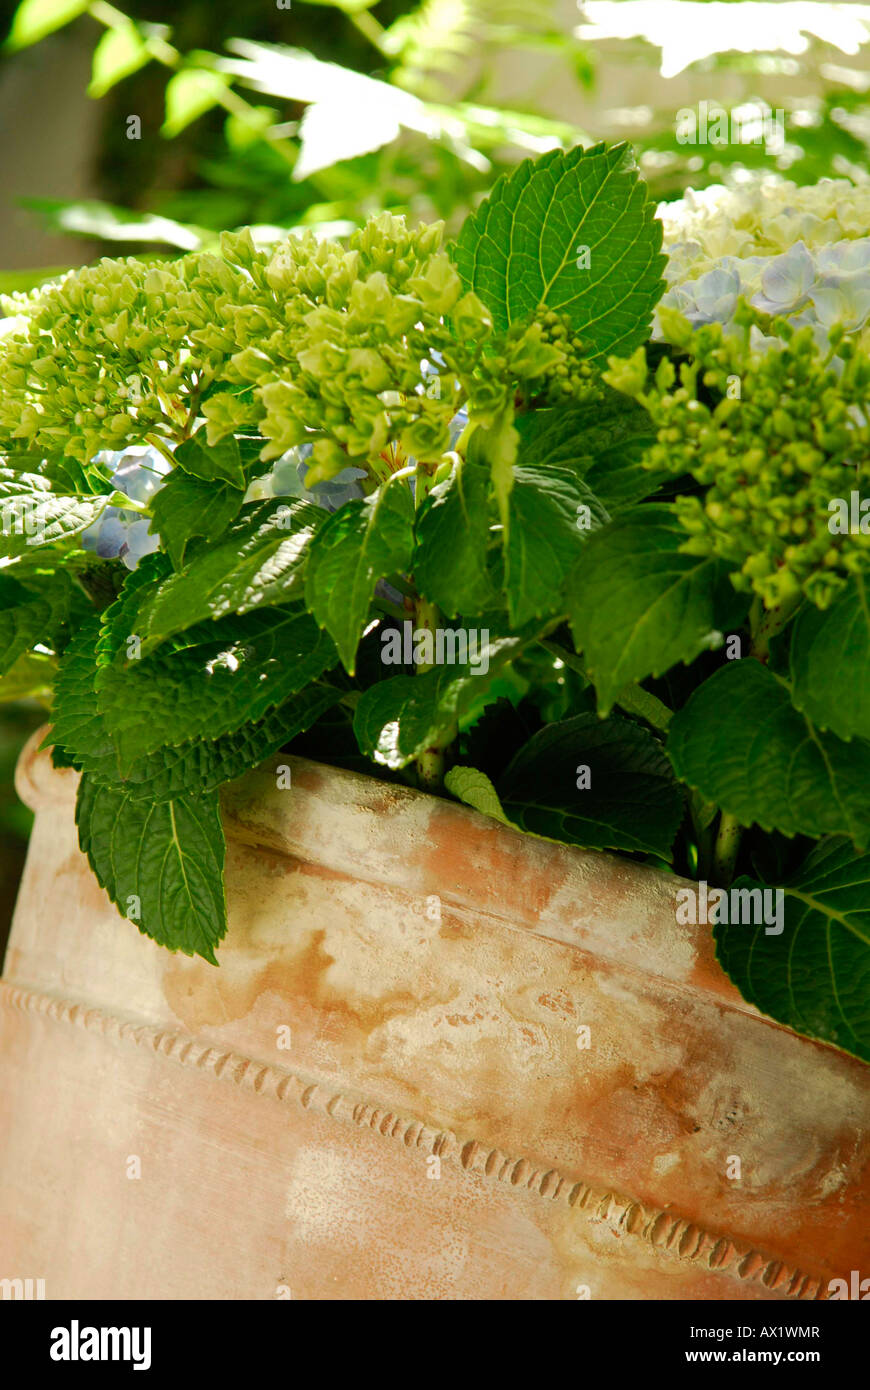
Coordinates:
x,y
326,113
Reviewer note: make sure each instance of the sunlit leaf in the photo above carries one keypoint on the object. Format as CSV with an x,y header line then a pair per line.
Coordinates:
x,y
189,94
36,18
92,218
120,52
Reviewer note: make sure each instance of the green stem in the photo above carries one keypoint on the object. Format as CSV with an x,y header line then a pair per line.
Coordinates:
x,y
368,26
765,624
156,442
391,609
725,853
432,763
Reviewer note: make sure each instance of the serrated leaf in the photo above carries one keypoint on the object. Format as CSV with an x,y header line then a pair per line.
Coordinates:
x,y
398,719
260,561
209,461
120,619
204,765
553,513
120,52
815,975
631,802
76,723
362,542
14,483
187,507
453,534
34,19
209,681
475,789
638,605
162,865
830,662
31,520
741,743
196,766
189,94
523,245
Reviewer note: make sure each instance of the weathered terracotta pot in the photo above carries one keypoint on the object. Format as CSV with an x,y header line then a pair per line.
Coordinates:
x,y
433,969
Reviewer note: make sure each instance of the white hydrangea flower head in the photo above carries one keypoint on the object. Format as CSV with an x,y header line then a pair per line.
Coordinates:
x,y
798,252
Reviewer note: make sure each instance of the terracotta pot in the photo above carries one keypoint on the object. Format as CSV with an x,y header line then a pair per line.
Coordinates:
x,y
436,1128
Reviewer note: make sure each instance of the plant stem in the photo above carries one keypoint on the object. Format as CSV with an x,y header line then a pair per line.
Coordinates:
x,y
432,762
766,623
368,26
391,609
155,441
727,846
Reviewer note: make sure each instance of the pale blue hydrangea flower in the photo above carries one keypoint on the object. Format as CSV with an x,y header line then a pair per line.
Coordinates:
x,y
786,281
139,472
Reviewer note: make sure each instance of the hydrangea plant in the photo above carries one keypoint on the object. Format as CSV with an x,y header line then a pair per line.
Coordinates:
x,y
456,515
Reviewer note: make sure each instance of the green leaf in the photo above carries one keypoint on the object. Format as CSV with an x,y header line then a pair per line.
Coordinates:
x,y
76,723
552,514
574,434
91,218
631,802
495,447
521,248
29,617
604,441
15,484
398,719
31,519
210,461
362,542
120,52
29,678
162,865
187,507
189,94
209,681
34,19
201,765
741,743
453,534
638,605
259,562
830,662
475,789
197,766
815,976
120,619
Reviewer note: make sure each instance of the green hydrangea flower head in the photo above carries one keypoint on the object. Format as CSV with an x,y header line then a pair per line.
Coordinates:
x,y
774,437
